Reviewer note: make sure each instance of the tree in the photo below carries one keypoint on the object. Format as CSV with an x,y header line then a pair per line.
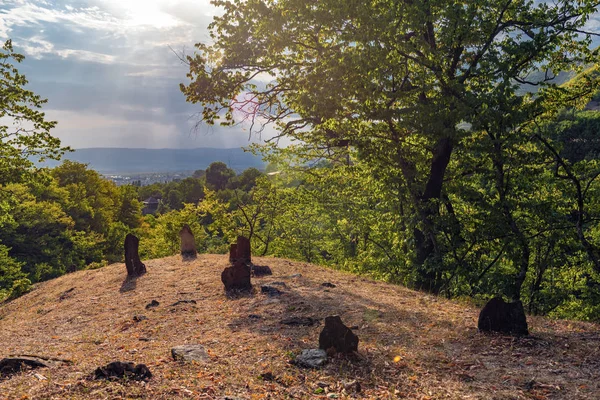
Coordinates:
x,y
130,208
192,190
28,135
175,199
13,282
199,173
396,80
218,175
93,202
247,179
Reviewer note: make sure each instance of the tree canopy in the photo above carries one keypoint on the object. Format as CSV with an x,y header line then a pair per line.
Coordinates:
x,y
406,84
24,130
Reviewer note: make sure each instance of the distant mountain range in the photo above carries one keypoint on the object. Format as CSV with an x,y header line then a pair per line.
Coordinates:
x,y
128,161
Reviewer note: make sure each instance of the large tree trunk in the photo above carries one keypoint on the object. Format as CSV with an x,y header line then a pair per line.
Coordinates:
x,y
429,278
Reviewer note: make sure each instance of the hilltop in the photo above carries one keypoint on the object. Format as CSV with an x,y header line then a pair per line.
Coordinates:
x,y
412,345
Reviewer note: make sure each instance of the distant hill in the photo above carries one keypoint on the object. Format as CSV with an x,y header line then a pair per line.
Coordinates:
x,y
124,160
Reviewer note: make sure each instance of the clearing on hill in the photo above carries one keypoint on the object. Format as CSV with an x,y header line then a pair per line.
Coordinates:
x,y
412,345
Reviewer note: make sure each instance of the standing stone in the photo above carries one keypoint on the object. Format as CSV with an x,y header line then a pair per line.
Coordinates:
x,y
237,277
503,317
188,244
243,249
232,253
338,336
134,265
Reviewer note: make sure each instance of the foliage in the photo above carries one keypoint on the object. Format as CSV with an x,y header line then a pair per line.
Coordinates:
x,y
218,175
400,82
28,135
13,282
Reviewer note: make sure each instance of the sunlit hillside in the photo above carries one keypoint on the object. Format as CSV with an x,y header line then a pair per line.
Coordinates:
x,y
412,345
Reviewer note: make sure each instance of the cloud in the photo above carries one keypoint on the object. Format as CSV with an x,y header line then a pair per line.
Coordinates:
x,y
108,71
87,56
110,131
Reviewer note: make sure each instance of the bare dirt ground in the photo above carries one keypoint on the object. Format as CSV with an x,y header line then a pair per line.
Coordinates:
x,y
412,345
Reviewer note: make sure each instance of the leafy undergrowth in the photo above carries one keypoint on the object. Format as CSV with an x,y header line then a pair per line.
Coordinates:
x,y
412,345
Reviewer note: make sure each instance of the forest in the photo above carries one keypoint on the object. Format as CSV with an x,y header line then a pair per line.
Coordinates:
x,y
432,147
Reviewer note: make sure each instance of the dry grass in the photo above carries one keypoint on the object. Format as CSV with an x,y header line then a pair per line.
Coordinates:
x,y
412,345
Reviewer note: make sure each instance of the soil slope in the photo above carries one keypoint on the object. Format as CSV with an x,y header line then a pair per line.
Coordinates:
x,y
412,345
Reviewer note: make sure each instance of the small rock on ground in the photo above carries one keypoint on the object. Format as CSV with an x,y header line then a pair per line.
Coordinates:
x,y
261,270
13,365
299,321
311,358
152,304
190,352
183,302
121,370
270,291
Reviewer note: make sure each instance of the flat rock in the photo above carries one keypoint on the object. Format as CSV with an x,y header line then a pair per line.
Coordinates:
x,y
270,291
152,304
123,370
190,352
183,302
299,321
13,365
311,358
261,270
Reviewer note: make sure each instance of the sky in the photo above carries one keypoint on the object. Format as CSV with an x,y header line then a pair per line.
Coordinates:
x,y
108,71
109,74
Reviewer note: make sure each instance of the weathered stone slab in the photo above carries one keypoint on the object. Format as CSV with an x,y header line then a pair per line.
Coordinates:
x,y
152,304
338,336
190,352
299,321
13,365
233,253
237,277
188,244
243,249
270,291
311,358
121,370
261,270
134,265
500,316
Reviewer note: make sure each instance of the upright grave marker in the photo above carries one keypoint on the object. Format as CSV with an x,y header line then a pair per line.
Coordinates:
x,y
243,249
188,244
134,265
